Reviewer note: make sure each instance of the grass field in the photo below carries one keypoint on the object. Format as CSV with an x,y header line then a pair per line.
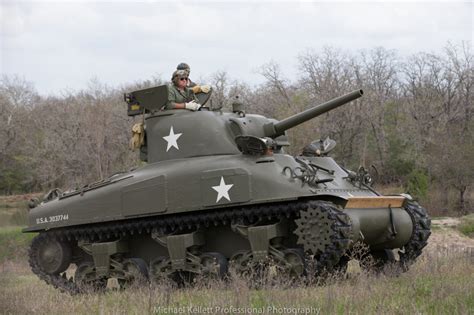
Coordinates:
x,y
435,285
441,282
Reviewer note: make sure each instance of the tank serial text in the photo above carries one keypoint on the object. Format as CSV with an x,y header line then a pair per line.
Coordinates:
x,y
53,218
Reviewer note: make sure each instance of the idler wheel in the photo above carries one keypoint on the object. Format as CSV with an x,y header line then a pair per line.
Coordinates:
x,y
135,272
86,279
53,256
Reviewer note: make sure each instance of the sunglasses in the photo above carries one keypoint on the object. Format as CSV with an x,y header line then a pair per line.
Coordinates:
x,y
183,79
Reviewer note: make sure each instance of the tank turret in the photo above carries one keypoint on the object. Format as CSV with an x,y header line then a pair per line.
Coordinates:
x,y
209,132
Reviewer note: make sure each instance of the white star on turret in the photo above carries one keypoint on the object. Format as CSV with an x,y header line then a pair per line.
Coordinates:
x,y
222,190
172,139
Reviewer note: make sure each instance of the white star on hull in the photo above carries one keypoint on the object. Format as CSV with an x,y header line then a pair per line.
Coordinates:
x,y
172,139
222,190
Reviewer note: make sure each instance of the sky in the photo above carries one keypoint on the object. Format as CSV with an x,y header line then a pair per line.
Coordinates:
x,y
61,45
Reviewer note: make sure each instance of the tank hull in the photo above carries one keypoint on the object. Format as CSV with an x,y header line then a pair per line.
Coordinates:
x,y
188,185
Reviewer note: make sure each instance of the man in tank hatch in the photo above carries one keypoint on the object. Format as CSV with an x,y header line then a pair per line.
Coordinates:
x,y
179,95
196,88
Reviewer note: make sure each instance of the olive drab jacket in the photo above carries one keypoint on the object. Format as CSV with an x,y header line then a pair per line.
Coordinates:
x,y
177,96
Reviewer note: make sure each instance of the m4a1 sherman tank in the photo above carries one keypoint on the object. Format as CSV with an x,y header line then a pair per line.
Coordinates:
x,y
218,190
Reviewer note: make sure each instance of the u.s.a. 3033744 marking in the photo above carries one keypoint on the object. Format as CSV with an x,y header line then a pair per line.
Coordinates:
x,y
53,218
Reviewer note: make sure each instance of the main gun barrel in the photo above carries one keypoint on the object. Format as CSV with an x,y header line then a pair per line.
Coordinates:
x,y
273,130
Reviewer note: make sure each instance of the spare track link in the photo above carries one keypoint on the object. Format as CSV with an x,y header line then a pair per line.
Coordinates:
x,y
178,222
420,235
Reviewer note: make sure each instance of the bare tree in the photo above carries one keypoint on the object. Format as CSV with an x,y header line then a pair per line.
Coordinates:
x,y
220,85
377,73
323,76
17,97
416,117
272,73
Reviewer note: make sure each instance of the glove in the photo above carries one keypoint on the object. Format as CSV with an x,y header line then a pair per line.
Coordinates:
x,y
138,136
205,88
196,89
192,106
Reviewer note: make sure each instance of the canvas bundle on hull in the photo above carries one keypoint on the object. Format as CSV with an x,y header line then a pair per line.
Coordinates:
x,y
219,191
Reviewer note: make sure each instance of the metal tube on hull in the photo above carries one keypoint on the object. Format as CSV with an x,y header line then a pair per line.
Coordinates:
x,y
381,228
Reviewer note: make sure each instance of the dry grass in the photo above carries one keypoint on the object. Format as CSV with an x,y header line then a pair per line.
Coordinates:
x,y
441,282
14,209
439,201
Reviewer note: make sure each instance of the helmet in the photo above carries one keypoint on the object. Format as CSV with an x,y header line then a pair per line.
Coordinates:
x,y
184,66
178,74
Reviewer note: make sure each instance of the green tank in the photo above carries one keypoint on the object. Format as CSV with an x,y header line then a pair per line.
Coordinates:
x,y
219,191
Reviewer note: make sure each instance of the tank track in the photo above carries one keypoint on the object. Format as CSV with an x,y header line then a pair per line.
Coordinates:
x,y
420,235
182,221
326,232
58,281
190,221
326,260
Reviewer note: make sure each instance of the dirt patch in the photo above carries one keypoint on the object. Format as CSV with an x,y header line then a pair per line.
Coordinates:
x,y
446,222
449,242
17,198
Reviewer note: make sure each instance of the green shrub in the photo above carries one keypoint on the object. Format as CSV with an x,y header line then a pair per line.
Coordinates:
x,y
467,225
417,183
13,243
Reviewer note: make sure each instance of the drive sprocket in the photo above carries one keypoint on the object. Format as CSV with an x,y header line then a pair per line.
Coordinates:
x,y
325,233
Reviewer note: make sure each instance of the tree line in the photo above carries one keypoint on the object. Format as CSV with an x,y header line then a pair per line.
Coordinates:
x,y
413,128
